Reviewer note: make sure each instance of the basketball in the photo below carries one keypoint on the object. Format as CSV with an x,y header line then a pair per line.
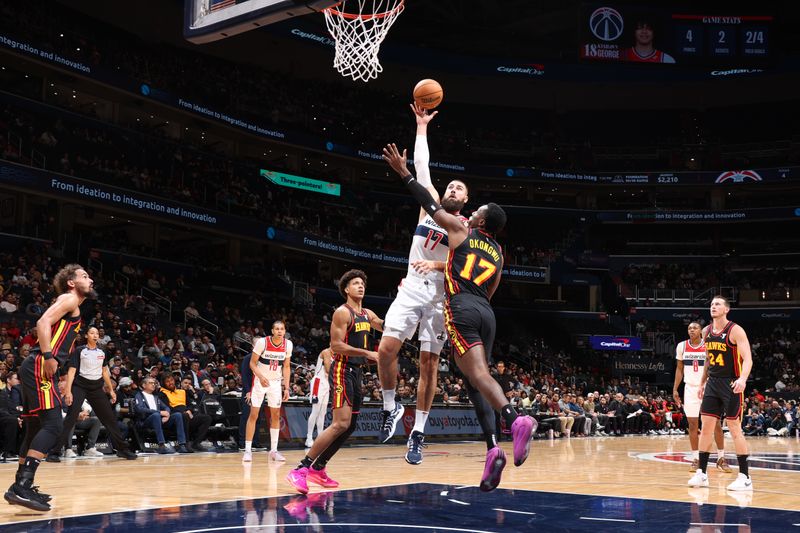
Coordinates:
x,y
428,94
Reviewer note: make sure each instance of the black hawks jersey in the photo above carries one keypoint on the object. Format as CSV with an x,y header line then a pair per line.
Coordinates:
x,y
723,357
473,266
357,336
64,334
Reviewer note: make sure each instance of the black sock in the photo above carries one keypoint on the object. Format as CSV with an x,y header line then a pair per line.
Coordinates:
x,y
486,417
320,464
743,468
28,471
305,463
509,415
20,468
704,461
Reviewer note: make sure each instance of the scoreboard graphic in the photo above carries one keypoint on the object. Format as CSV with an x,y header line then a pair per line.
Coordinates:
x,y
629,34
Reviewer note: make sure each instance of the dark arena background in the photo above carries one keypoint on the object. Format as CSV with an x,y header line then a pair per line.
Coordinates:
x,y
212,172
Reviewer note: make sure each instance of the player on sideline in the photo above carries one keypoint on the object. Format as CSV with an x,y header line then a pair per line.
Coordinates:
x,y
691,356
350,328
419,303
728,364
57,329
472,275
271,367
320,390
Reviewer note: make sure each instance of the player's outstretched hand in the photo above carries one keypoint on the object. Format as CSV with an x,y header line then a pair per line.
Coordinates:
x,y
423,266
422,115
395,159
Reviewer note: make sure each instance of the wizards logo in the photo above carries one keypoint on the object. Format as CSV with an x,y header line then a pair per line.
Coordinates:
x,y
760,461
738,176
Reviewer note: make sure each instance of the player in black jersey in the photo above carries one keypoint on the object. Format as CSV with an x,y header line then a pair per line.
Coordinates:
x,y
472,275
352,349
728,364
57,329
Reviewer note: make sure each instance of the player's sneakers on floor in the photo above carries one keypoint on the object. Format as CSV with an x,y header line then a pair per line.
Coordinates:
x,y
320,477
416,441
297,479
93,452
722,464
275,455
389,420
495,463
70,454
695,465
742,482
247,457
521,431
309,443
127,454
27,497
699,479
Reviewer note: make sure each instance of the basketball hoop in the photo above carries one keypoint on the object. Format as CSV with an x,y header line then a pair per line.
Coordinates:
x,y
359,35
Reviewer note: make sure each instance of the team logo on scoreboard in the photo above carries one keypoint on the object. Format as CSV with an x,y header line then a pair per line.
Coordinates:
x,y
761,461
606,24
738,176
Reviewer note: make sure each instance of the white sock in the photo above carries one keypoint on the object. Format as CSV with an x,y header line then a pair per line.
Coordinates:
x,y
248,446
721,453
388,400
696,455
420,419
273,437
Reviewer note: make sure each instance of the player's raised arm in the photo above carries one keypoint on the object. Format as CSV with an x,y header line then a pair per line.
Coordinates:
x,y
455,228
422,155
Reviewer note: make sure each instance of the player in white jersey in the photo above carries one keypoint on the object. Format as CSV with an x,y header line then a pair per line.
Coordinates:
x,y
419,303
691,356
271,367
320,389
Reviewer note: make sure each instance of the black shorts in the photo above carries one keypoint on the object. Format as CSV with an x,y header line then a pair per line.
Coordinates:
x,y
470,321
38,392
345,380
719,399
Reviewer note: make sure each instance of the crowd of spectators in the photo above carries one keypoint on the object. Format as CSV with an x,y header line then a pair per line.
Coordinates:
x,y
281,100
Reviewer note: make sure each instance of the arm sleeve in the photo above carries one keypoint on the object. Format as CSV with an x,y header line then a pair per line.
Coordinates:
x,y
421,160
422,195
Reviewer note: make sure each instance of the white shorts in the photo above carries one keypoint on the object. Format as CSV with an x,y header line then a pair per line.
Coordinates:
x,y
320,388
691,403
419,302
273,392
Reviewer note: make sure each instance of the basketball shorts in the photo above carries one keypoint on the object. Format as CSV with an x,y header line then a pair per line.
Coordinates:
x,y
273,393
345,381
470,322
719,399
419,303
320,390
38,392
691,403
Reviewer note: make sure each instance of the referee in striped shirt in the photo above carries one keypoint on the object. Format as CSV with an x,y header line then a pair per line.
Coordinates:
x,y
85,378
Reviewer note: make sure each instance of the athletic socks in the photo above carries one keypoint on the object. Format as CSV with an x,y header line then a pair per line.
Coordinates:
x,y
704,461
388,400
743,468
420,419
486,417
248,446
274,434
28,471
509,415
305,463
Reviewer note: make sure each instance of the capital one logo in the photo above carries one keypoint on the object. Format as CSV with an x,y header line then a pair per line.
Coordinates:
x,y
606,23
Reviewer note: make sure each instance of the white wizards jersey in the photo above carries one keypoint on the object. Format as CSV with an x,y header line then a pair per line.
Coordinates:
x,y
271,356
319,371
693,358
429,243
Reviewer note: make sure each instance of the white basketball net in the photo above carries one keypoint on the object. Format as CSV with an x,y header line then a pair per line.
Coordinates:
x,y
359,32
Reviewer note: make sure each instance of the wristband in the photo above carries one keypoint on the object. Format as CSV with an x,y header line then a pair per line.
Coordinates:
x,y
47,355
408,178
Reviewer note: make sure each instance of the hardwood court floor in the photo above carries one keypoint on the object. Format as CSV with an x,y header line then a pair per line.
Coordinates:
x,y
595,466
